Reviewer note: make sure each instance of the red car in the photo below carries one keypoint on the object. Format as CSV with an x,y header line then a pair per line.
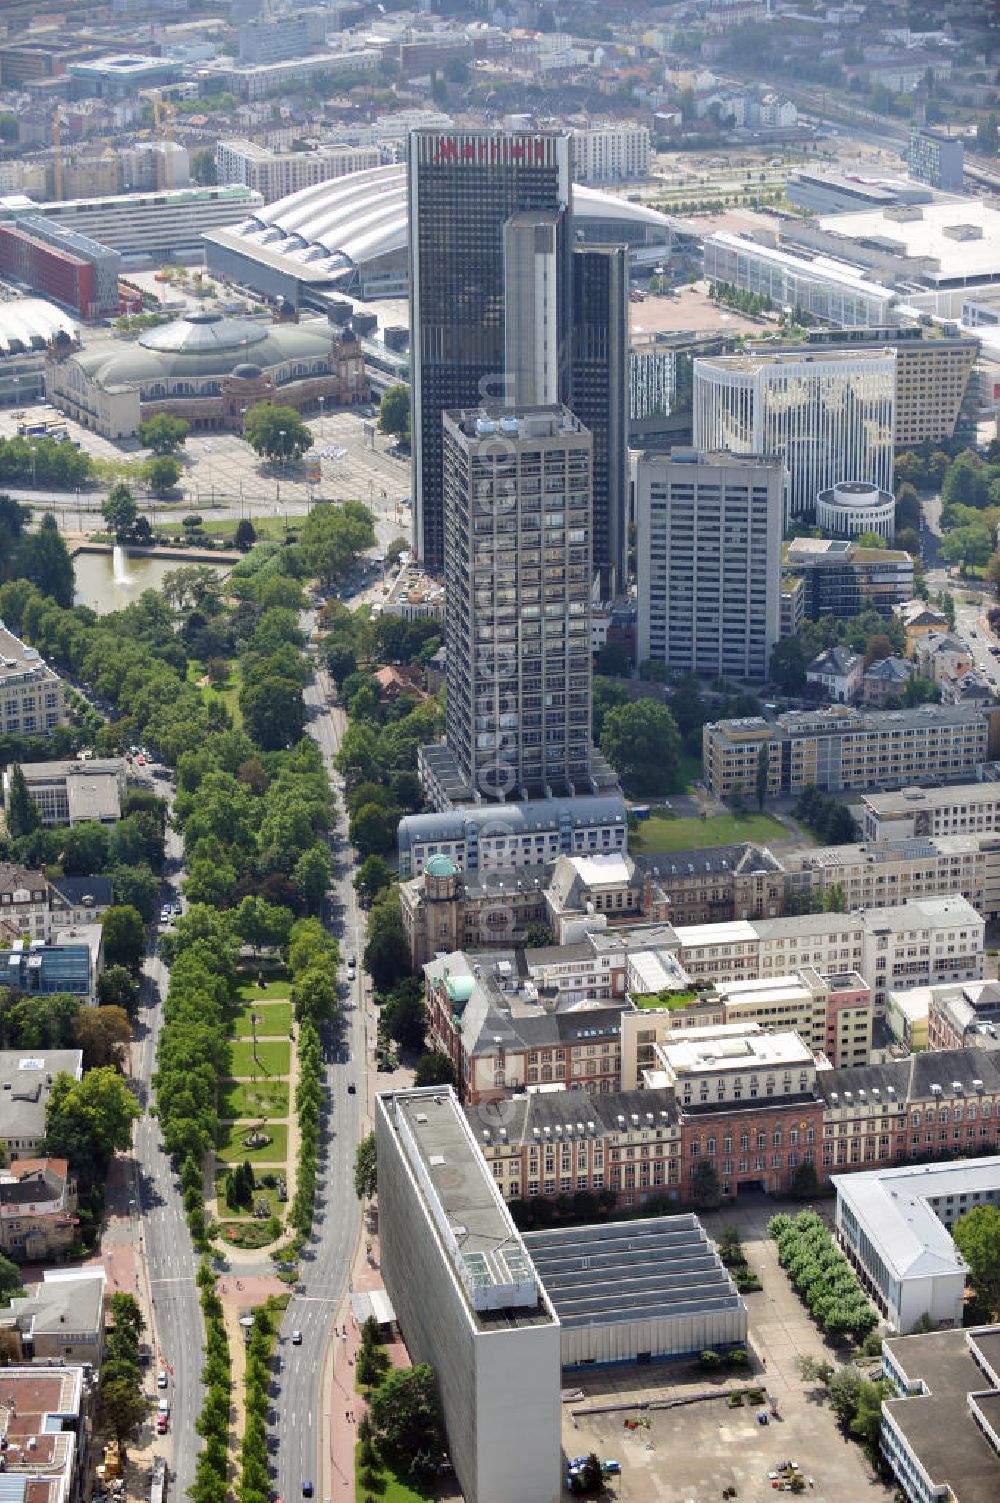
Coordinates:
x,y
162,1423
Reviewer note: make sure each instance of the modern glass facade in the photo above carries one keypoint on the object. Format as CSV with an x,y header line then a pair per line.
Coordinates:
x,y
599,381
463,187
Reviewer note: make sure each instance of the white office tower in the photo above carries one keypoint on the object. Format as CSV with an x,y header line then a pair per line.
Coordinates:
x,y
709,561
518,575
830,417
468,1299
531,307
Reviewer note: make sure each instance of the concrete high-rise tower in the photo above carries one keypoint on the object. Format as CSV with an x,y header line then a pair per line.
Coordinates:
x,y
463,188
517,492
599,381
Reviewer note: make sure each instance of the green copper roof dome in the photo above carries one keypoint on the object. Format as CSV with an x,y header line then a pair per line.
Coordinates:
x,y
460,988
441,866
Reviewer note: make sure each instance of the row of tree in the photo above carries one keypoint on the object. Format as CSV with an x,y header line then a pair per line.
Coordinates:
x,y
822,1276
122,1401
211,1475
254,1483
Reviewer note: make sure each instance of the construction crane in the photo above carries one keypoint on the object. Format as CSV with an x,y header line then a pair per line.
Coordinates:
x,y
57,159
163,135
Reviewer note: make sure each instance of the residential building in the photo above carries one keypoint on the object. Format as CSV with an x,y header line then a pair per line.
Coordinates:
x,y
32,694
24,902
842,748
641,1291
468,1299
26,1081
830,417
518,835
294,34
150,165
937,159
38,1198
884,683
894,1225
882,874
836,674
853,508
505,1028
920,619
73,791
939,1430
518,582
599,326
78,901
840,579
463,187
708,561
961,809
61,1318
940,656
611,153
275,174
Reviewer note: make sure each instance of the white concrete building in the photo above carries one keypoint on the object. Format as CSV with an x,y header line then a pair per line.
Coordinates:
x,y
468,1299
830,417
275,174
610,153
853,507
831,290
958,809
714,1064
895,1226
709,561
154,225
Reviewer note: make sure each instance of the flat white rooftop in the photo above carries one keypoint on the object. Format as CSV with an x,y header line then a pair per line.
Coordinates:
x,y
737,932
927,234
734,1047
598,871
894,1205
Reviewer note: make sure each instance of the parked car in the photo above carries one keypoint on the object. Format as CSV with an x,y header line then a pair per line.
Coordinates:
x,y
162,1424
161,1378
296,1338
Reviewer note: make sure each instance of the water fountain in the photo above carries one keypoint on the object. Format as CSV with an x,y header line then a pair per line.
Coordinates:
x,y
119,565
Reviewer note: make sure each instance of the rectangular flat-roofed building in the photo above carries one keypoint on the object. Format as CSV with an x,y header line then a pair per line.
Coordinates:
x,y
961,809
468,1299
637,1292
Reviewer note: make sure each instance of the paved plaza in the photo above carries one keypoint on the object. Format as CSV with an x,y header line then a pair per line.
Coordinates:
x,y
691,1452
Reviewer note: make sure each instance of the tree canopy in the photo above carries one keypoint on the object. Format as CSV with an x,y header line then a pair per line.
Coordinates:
x,y
641,741
276,432
394,413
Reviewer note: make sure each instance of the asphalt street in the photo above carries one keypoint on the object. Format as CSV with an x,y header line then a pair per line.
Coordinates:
x,y
297,1415
169,1265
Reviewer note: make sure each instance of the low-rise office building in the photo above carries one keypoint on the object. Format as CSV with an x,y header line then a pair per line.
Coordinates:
x,y
884,873
641,1291
468,1299
836,577
145,227
840,748
46,1457
941,1429
70,792
960,809
895,1226
854,507
71,963
967,1015
60,1319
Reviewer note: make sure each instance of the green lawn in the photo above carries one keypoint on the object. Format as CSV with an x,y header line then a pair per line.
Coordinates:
x,y
276,986
238,1098
273,1019
232,1151
226,693
261,1192
223,528
664,831
390,1487
273,1057
674,1001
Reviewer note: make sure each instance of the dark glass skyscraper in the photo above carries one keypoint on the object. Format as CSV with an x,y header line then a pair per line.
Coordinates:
x,y
599,397
464,186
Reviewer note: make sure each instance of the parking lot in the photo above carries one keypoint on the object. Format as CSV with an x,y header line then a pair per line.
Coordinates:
x,y
690,1453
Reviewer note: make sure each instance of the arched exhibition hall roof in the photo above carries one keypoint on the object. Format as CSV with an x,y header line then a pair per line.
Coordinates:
x,y
30,323
339,226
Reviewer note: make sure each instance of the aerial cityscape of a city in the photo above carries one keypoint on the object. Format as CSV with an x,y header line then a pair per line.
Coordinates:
x,y
499,751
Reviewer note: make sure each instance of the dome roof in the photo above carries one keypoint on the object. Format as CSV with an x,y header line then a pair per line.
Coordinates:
x,y
441,866
459,988
247,372
195,333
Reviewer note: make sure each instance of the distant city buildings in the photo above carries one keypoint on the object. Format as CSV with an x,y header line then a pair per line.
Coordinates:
x,y
275,174
936,158
708,561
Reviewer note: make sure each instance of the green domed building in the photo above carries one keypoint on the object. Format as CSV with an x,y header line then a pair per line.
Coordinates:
x,y
207,369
